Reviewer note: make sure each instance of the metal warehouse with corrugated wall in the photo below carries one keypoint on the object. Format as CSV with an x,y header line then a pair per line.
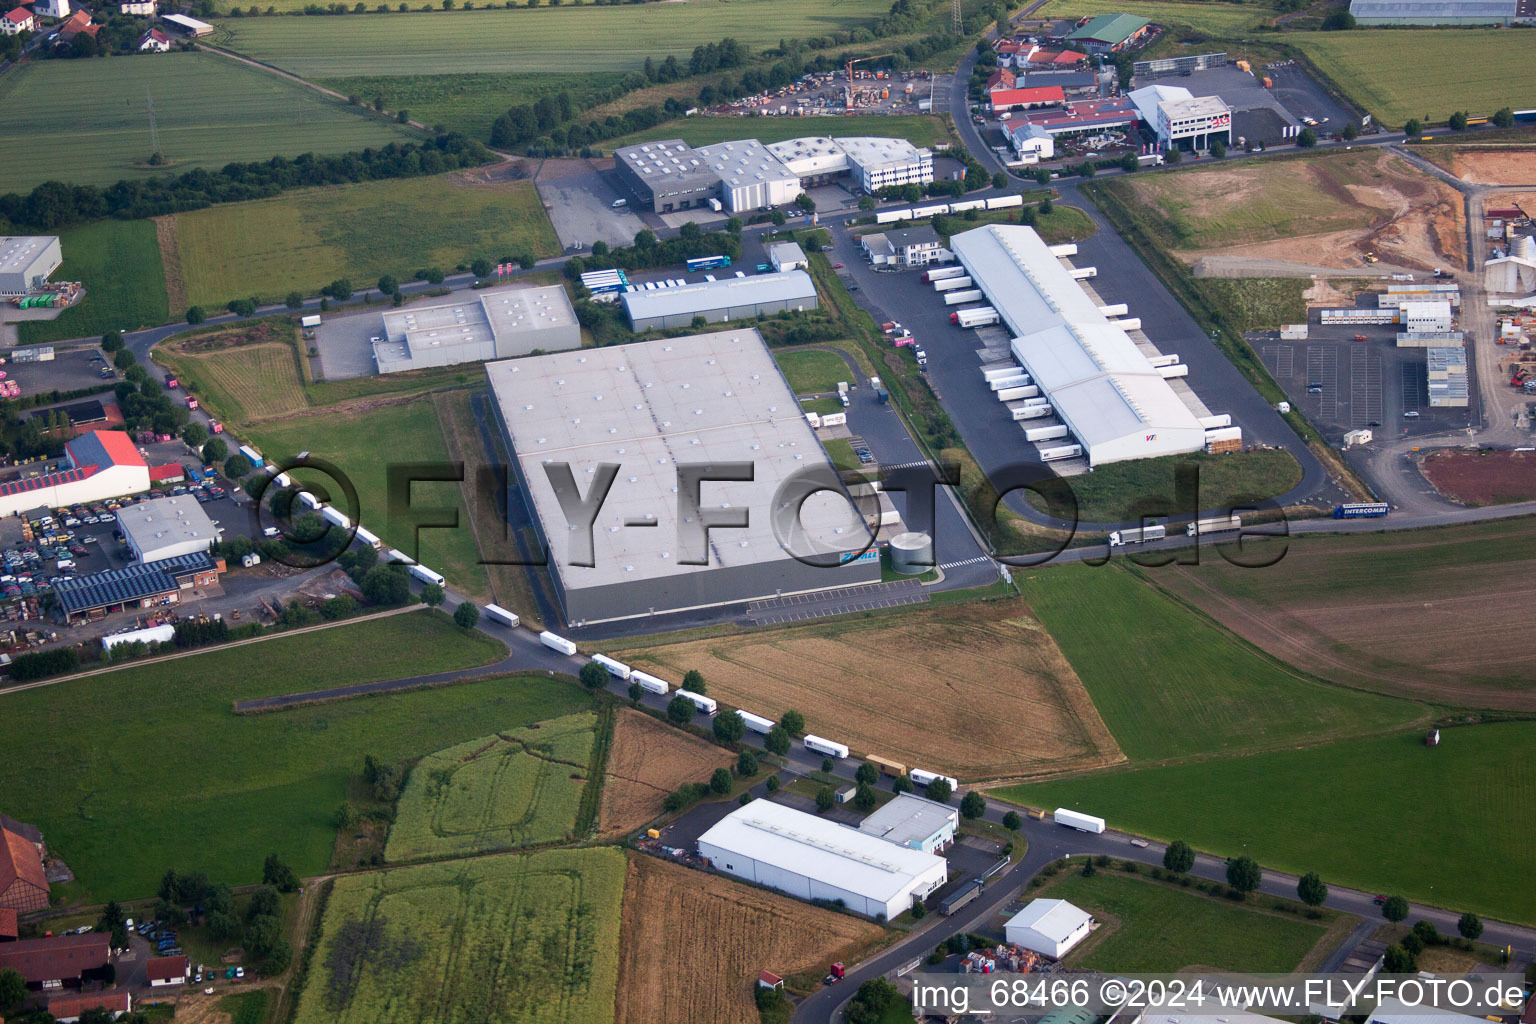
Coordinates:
x,y
734,298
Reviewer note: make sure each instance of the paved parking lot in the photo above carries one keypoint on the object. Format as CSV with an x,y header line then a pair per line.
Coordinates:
x,y
800,607
70,369
344,343
581,208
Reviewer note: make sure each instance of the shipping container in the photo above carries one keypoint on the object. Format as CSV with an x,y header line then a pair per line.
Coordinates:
x,y
617,669
940,274
922,778
1065,249
825,746
703,703
1002,202
252,454
1051,433
1076,819
1137,535
959,298
1220,524
755,723
557,643
648,682
894,769
1066,451
499,614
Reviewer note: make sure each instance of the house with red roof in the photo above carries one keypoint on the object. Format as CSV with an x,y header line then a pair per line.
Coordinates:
x,y
166,970
16,22
98,465
23,883
57,961
69,1009
77,23
1002,78
154,41
170,473
1026,99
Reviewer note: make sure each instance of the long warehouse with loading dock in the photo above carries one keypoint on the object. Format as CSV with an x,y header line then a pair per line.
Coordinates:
x,y
1098,381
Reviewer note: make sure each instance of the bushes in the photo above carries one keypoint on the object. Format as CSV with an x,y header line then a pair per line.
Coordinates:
x,y
41,664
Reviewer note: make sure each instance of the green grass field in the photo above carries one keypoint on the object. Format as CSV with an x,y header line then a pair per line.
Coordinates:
x,y
465,103
1170,684
918,129
136,770
1214,18
1112,493
1258,303
87,121
1160,929
364,445
544,39
247,1007
1450,70
304,240
118,261
532,938
1449,825
500,792
812,371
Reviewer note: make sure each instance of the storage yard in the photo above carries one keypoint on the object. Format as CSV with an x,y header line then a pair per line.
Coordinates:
x,y
908,689
647,761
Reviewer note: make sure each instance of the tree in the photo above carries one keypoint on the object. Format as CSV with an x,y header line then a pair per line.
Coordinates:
x,y
805,202
241,307
294,300
777,741
919,910
1427,932
194,434
467,615
1394,909
1129,163
1173,156
1312,890
1470,926
746,764
867,203
275,872
386,585
432,595
867,773
864,797
1012,821
777,218
222,926
112,342
481,267
1350,132
999,180
973,805
83,45
1412,127
346,816
636,692
680,710
339,289
793,722
825,800
728,728
902,784
1503,118
112,920
720,782
389,284
1339,21
123,359
826,766
693,682
938,790
1178,858
13,988
1458,121
1397,960
1307,139
1042,177
1045,207
1218,149
1244,874
1088,869
594,677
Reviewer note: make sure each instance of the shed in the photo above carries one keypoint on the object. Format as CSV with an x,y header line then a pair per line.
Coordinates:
x,y
313,320
786,256
769,980
166,970
1049,927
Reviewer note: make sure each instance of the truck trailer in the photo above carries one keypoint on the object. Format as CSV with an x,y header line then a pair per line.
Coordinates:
x,y
1051,433
1004,383
1218,524
1137,535
1081,822
1029,412
941,274
960,897
648,682
617,669
922,778
1066,451
755,723
426,575
1013,394
1362,510
703,703
949,284
557,643
981,316
825,746
961,297
497,613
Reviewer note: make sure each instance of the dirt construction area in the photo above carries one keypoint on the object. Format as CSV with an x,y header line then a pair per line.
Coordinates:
x,y
1302,216
647,761
1482,477
980,692
691,944
1429,614
1495,166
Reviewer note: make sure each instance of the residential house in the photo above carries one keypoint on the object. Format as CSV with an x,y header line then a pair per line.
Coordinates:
x,y
18,21
143,8
77,23
1002,78
154,41
23,884
69,1009
51,8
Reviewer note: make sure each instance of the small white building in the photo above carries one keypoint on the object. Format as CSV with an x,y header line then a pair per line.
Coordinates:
x,y
914,822
161,971
1425,316
51,8
185,25
1032,143
787,256
166,527
1049,927
1361,435
16,22
154,41
143,8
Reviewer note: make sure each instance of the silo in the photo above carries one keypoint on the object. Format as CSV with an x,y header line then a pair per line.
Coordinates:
x,y
912,553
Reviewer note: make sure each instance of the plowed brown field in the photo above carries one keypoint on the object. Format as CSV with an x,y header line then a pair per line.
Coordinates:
x,y
1482,478
691,944
1496,167
980,692
646,762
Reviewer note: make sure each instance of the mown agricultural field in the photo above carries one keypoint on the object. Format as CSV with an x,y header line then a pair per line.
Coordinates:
x,y
243,373
1367,813
465,103
532,938
513,789
1172,684
87,122
544,39
1451,70
1160,928
812,371
647,761
692,943
918,129
1218,19
139,769
363,443
1398,613
305,240
119,264
1124,491
909,690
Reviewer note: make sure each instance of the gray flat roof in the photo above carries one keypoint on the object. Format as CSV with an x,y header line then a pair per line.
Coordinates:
x,y
787,252
483,316
908,819
668,160
650,407
728,291
163,521
18,252
1433,8
745,162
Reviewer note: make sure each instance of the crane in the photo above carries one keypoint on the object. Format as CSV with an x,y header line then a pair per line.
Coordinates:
x,y
860,60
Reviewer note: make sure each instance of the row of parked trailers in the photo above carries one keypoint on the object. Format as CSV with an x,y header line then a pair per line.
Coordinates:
x,y
924,212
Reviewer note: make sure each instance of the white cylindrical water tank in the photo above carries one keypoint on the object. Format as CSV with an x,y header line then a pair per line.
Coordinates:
x,y
912,553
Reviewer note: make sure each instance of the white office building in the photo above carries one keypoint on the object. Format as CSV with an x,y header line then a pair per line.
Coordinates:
x,y
1182,119
878,162
786,256
166,527
1049,927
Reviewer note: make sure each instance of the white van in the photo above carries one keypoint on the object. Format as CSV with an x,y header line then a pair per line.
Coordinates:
x,y
620,203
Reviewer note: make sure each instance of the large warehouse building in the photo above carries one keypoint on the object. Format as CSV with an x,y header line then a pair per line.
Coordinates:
x,y
26,261
496,323
102,464
666,176
751,177
1443,12
730,298
653,408
816,859
1100,384
166,527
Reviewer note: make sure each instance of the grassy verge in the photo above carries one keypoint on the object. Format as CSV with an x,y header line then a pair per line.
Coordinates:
x,y
812,371
118,261
1124,491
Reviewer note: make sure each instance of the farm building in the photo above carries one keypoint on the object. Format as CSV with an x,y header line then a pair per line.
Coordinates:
x,y
101,464
652,407
187,26
666,175
27,260
1051,927
1181,119
1442,12
751,177
81,414
166,527
166,970
786,256
1108,33
1099,382
731,298
15,22
905,247
914,822
69,1009
142,585
810,857
494,323
56,961
23,883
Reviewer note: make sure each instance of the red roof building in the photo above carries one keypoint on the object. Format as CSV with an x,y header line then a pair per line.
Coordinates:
x,y
1025,99
78,22
23,884
154,40
1087,115
67,1009
1002,78
8,924
767,979
19,20
102,464
169,473
59,959
166,970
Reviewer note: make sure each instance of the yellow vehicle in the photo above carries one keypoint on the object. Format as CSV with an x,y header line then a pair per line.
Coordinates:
x,y
891,768
1038,815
